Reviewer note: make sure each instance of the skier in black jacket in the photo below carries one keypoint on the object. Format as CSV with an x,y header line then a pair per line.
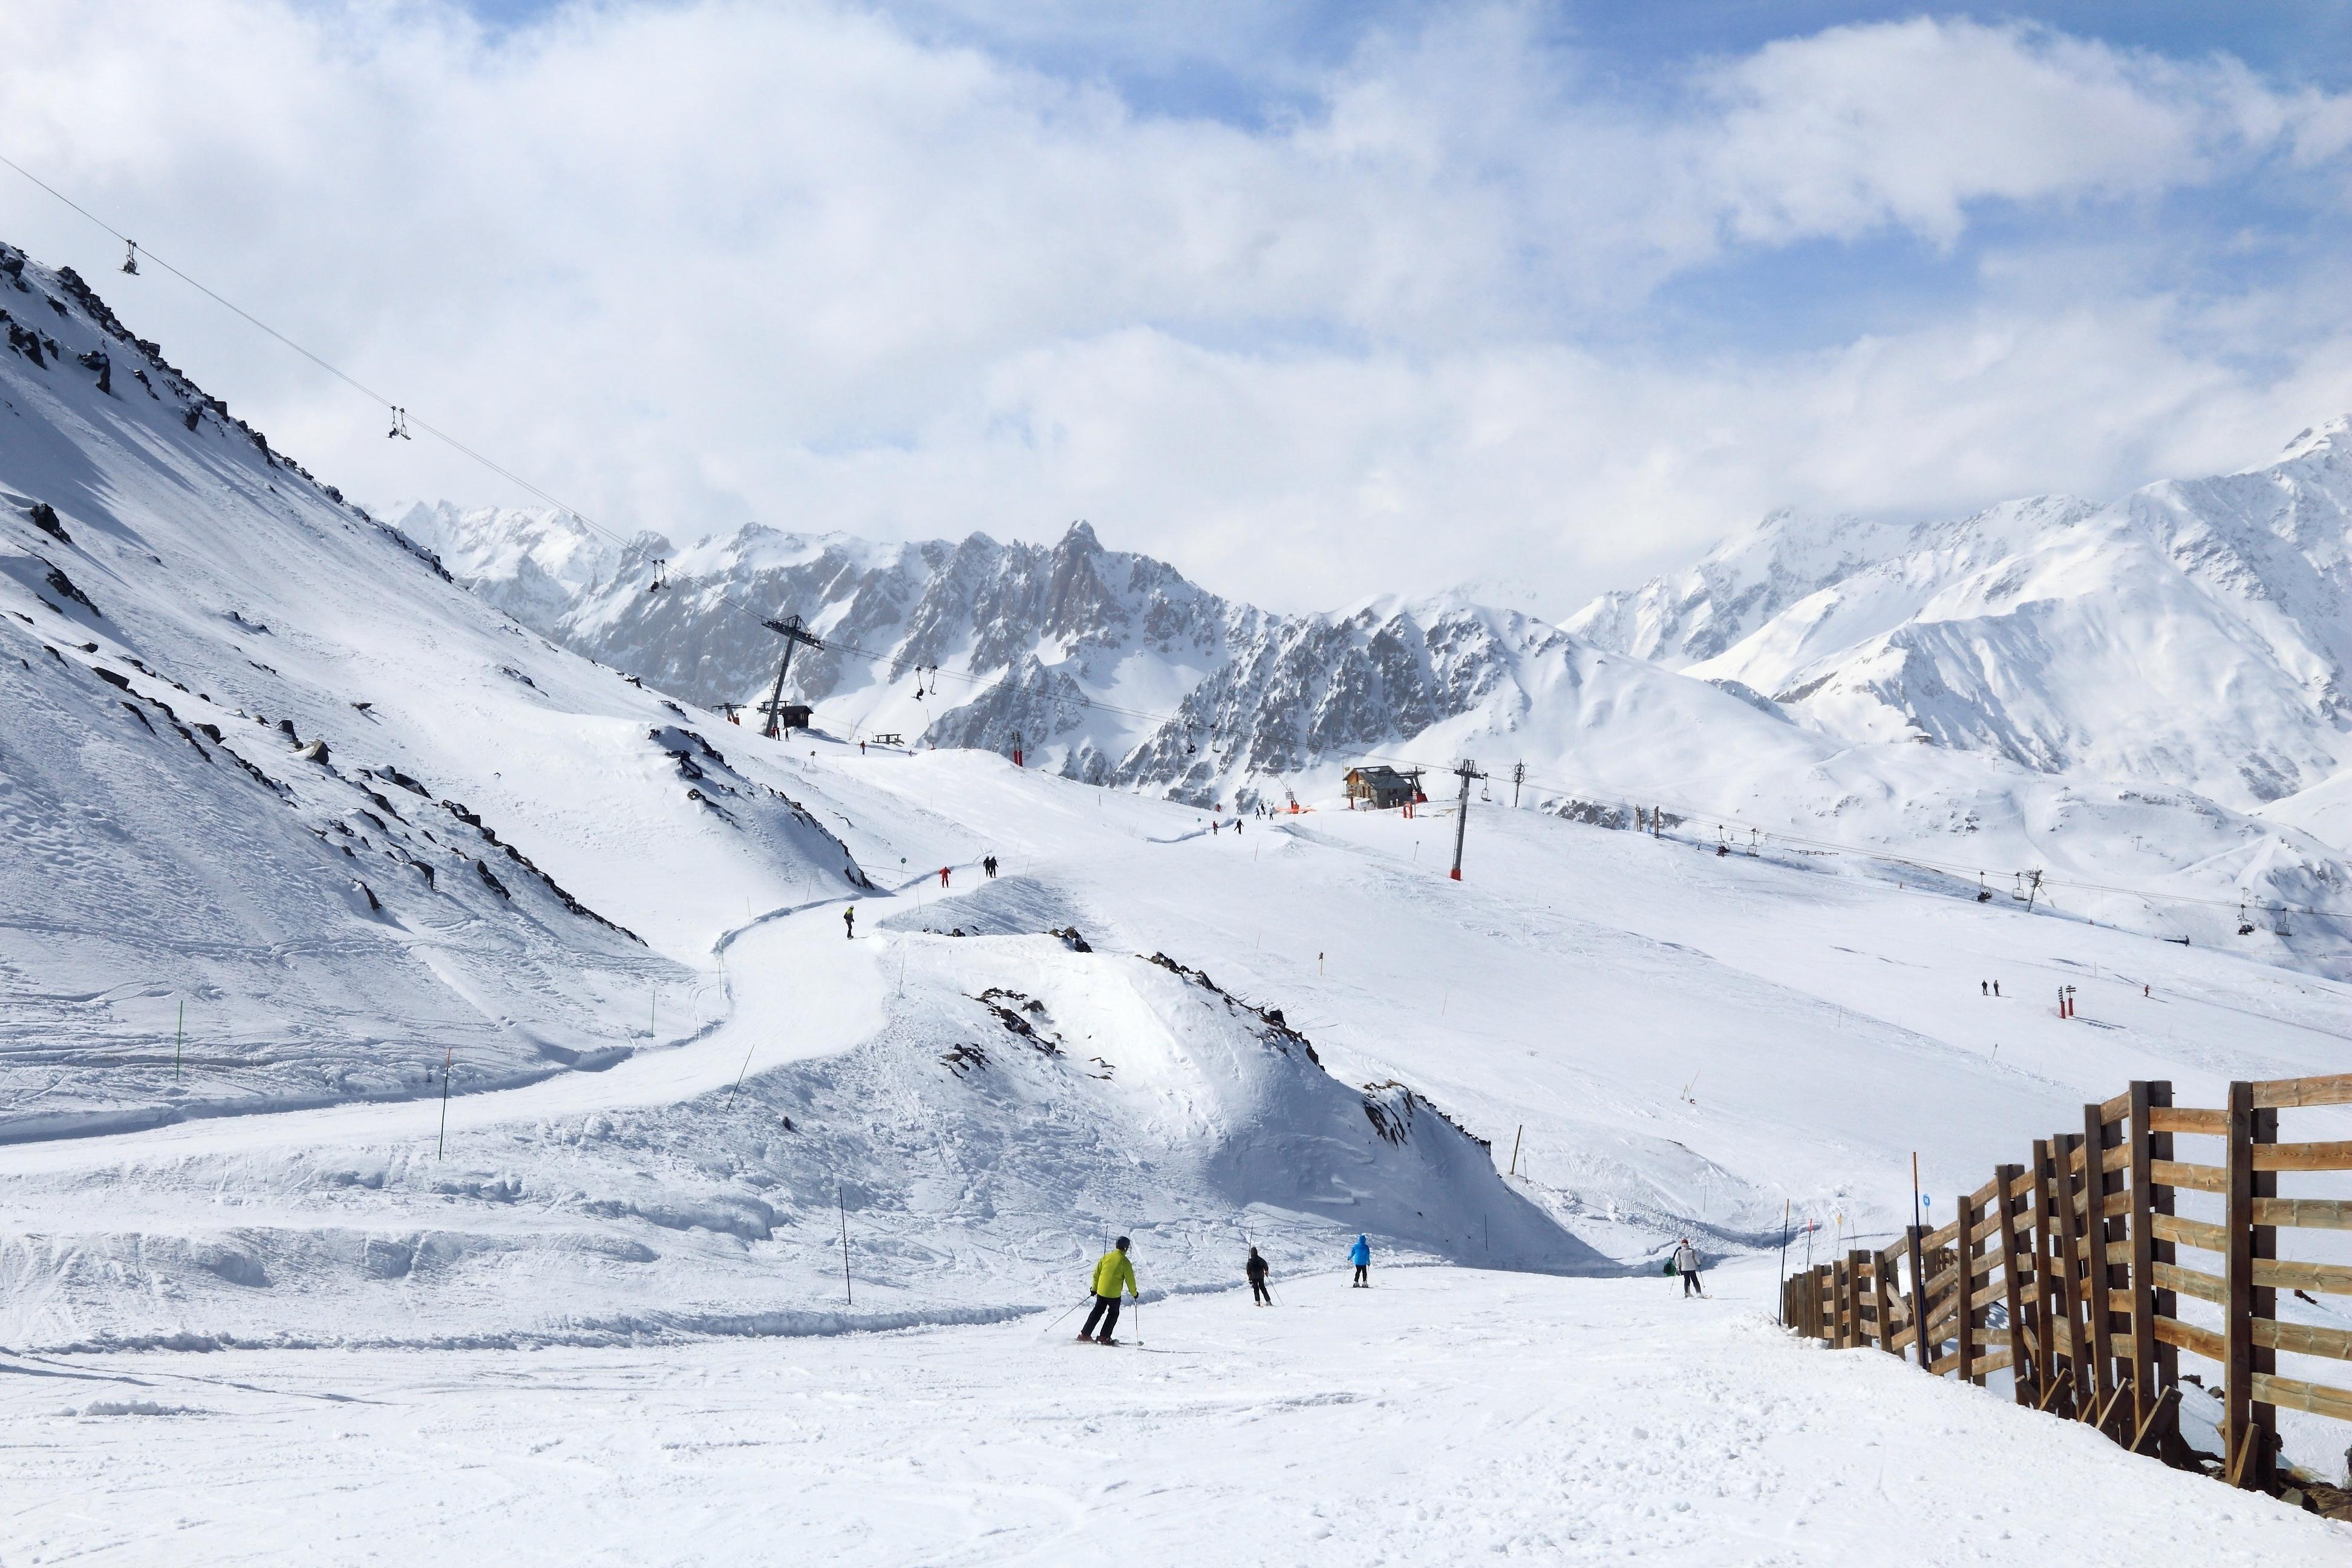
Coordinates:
x,y
1256,1269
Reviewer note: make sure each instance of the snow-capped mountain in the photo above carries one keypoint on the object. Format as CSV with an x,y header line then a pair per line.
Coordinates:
x,y
2194,634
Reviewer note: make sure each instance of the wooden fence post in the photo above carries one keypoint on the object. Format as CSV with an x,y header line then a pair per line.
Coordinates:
x,y
2142,1266
1880,1272
1964,1287
2238,1304
2168,1303
2021,1369
2263,1244
1919,1302
2098,1315
1857,1260
2084,1399
2045,1353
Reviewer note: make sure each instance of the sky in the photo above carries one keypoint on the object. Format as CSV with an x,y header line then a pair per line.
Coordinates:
x,y
1314,299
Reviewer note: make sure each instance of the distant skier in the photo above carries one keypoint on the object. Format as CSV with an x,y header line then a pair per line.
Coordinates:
x,y
1112,1271
1996,987
849,922
861,748
943,876
1361,1255
1686,1265
1214,826
988,866
1256,1269
1983,989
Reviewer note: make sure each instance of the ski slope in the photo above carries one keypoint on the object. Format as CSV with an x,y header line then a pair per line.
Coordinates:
x,y
1444,1416
385,980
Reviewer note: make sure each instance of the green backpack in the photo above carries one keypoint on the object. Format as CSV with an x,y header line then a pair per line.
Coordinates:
x,y
1669,1268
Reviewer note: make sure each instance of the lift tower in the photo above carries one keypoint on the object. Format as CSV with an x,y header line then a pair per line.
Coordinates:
x,y
790,629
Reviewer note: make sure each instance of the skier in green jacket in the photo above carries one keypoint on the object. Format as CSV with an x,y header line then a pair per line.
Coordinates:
x,y
1112,1271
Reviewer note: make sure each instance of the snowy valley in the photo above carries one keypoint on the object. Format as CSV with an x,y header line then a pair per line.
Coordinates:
x,y
404,957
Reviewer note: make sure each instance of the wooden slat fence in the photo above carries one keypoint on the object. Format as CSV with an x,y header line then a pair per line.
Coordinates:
x,y
2080,1252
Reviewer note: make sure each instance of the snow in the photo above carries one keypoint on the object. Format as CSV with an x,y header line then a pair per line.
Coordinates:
x,y
1444,1415
445,1160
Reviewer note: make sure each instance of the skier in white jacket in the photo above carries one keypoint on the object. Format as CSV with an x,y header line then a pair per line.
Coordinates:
x,y
1686,1265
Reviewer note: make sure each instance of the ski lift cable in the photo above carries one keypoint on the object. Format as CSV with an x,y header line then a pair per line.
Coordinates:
x,y
409,422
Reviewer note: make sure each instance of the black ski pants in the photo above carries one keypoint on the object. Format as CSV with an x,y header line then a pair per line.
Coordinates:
x,y
1690,1283
1361,1268
1257,1291
1107,1311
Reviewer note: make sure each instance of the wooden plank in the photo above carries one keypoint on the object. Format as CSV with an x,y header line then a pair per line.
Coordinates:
x,y
2193,1339
2296,1394
2115,1109
2113,1160
2305,1214
2097,1279
1983,1363
2198,1178
2203,1123
2192,1282
1938,1239
2280,1093
2303,1339
2237,1423
2140,1265
1921,1302
2004,1203
2336,1155
2193,1232
2328,1278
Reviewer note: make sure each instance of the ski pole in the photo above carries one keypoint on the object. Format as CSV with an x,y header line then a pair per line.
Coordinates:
x,y
1074,1306
1138,1322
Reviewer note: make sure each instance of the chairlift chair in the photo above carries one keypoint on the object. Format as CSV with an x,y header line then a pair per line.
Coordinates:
x,y
2246,926
399,430
131,257
1984,894
661,577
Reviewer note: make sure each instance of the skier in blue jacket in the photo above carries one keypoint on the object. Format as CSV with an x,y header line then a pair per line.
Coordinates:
x,y
1361,1255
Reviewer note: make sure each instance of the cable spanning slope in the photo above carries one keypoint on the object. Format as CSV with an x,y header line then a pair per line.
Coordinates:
x,y
277,776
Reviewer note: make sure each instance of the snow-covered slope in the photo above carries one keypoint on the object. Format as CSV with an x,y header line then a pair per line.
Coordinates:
x,y
1111,668
262,762
1282,1031
2196,634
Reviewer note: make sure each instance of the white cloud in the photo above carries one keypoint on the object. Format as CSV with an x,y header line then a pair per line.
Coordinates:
x,y
698,262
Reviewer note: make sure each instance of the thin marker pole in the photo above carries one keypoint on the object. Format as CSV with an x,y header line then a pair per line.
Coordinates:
x,y
1784,1262
842,1199
443,1143
1914,1186
747,1067
179,1039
